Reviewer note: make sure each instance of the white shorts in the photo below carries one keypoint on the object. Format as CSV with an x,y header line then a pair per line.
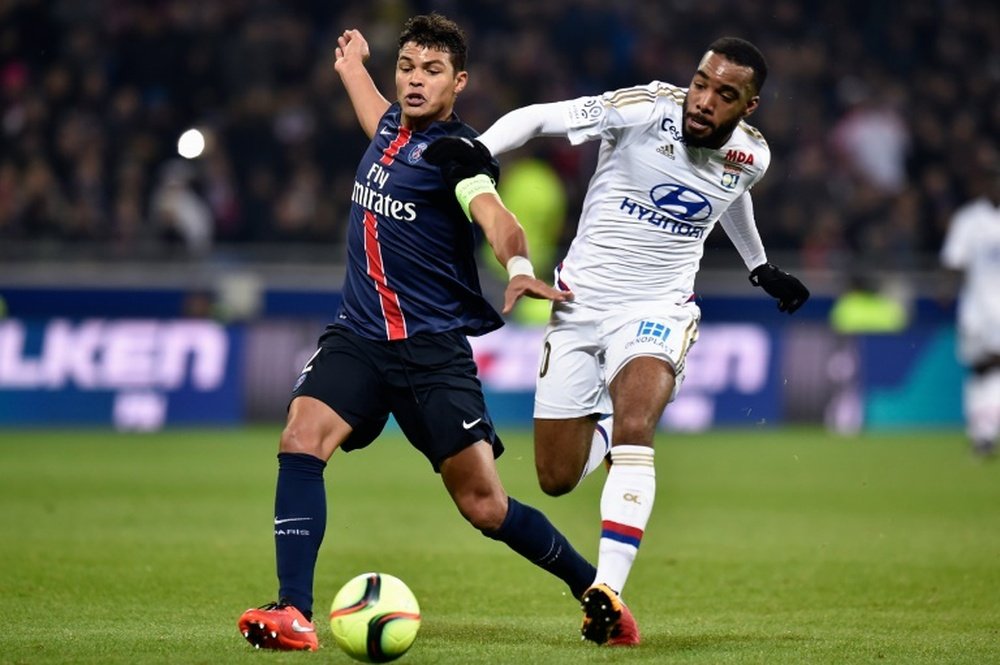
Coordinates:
x,y
585,349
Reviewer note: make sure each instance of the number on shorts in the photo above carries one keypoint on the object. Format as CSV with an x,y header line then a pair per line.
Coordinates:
x,y
546,350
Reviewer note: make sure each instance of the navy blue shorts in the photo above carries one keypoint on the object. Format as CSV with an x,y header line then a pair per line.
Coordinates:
x,y
428,382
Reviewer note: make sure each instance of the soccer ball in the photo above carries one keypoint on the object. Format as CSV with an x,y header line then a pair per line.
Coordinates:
x,y
375,618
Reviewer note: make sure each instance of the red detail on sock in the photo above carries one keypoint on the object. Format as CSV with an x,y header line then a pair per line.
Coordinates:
x,y
621,529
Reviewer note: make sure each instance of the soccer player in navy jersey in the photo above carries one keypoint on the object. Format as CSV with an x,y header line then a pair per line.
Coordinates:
x,y
398,344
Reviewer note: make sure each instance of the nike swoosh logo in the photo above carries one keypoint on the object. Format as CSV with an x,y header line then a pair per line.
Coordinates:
x,y
291,519
385,132
472,424
299,628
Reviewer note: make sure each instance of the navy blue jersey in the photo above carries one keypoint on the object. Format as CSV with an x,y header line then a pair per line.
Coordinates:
x,y
410,249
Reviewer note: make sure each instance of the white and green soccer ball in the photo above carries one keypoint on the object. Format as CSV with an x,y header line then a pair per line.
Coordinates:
x,y
375,618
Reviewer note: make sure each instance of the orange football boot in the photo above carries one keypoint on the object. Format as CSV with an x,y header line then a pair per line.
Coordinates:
x,y
606,619
278,626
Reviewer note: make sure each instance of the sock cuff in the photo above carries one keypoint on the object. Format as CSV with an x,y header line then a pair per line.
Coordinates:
x,y
303,462
513,512
630,455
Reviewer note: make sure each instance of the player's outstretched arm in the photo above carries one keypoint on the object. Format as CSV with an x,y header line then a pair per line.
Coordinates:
x,y
350,56
516,128
465,166
510,245
786,289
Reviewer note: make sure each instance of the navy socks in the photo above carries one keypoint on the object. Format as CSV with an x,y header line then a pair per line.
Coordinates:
x,y
529,533
300,521
299,524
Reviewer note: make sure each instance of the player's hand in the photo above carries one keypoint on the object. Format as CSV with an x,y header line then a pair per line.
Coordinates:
x,y
352,48
524,285
786,289
458,157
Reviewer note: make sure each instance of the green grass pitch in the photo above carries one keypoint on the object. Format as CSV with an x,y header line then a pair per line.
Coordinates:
x,y
765,546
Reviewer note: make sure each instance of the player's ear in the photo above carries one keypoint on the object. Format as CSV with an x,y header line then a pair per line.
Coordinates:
x,y
461,79
752,105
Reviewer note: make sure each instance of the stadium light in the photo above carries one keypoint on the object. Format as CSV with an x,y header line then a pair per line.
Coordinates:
x,y
191,144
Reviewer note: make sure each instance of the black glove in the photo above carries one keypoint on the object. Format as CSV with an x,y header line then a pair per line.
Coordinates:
x,y
459,158
787,290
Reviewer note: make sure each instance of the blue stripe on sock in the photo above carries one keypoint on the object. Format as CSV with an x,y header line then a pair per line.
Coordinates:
x,y
621,538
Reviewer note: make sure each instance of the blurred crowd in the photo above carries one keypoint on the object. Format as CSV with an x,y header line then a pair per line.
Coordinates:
x,y
882,116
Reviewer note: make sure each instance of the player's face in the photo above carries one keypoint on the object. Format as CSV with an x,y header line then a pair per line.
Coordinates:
x,y
426,84
721,94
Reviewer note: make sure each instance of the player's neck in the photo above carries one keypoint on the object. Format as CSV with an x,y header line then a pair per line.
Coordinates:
x,y
419,124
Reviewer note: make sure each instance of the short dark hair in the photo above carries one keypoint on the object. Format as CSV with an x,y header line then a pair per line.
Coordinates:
x,y
743,53
437,32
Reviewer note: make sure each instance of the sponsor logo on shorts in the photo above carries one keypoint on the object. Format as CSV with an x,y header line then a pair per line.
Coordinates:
x,y
652,329
650,332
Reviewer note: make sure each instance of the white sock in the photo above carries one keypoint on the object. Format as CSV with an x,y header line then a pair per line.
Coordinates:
x,y
626,504
599,446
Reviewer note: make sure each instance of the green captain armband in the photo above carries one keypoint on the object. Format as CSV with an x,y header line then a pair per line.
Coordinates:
x,y
470,188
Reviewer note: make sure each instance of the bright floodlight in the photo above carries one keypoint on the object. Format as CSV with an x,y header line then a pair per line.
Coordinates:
x,y
190,144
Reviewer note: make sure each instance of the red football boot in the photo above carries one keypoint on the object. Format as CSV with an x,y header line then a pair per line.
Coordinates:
x,y
277,626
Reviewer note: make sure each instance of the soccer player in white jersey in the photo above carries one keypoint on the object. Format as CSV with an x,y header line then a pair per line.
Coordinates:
x,y
672,163
972,247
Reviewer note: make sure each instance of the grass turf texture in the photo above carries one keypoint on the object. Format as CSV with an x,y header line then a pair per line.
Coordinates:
x,y
766,546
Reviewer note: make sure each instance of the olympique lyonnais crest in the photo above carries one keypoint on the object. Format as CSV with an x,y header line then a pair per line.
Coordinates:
x,y
731,176
732,167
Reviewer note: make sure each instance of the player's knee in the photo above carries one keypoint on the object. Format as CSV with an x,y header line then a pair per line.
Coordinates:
x,y
296,438
637,428
556,481
484,512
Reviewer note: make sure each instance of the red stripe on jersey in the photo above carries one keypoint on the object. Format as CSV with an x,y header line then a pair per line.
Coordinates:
x,y
397,143
395,324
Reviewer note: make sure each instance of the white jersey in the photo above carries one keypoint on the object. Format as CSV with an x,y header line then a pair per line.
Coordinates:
x,y
972,245
652,200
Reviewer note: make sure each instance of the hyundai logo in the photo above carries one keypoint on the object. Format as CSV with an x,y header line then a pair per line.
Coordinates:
x,y
681,203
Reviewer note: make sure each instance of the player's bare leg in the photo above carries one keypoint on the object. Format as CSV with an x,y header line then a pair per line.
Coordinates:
x,y
472,480
562,452
640,393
